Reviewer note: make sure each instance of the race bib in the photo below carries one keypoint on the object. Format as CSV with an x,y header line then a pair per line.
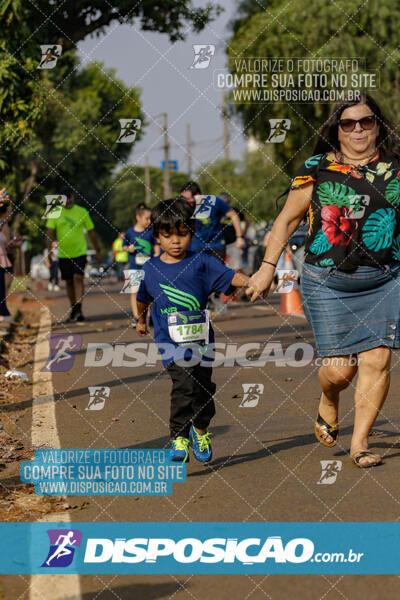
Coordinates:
x,y
140,259
187,327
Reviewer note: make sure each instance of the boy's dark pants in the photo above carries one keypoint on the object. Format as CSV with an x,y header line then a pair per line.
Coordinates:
x,y
191,398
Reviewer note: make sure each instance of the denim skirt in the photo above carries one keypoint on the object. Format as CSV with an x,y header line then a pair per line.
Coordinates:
x,y
350,312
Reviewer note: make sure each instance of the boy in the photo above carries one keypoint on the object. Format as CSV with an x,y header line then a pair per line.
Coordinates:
x,y
178,283
140,245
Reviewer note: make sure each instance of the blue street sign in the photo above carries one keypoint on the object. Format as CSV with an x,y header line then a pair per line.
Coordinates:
x,y
173,165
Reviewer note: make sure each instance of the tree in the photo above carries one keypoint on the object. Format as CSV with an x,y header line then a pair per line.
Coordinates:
x,y
128,190
72,21
24,26
75,145
338,29
253,183
20,98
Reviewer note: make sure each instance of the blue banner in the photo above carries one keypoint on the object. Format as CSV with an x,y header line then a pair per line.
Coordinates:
x,y
200,548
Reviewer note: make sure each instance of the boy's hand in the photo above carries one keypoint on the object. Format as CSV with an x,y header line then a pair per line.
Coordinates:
x,y
141,329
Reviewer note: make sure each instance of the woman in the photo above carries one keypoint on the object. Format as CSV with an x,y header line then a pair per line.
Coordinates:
x,y
5,216
351,274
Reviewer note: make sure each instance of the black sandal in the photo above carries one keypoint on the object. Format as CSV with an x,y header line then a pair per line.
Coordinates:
x,y
321,428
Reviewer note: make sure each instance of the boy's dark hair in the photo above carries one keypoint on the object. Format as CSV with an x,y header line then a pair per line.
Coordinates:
x,y
67,191
191,186
140,209
172,213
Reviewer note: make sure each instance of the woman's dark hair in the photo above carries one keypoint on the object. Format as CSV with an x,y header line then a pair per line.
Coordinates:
x,y
172,213
191,186
328,139
140,209
4,208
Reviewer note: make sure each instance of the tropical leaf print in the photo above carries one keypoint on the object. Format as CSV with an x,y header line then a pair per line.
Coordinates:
x,y
392,191
378,229
313,160
396,248
325,262
382,168
320,243
370,177
333,192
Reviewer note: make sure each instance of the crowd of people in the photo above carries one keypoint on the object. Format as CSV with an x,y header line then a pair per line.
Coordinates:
x,y
189,250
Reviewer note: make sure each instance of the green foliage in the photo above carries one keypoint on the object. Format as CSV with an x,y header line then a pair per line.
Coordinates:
x,y
20,96
253,183
60,126
323,29
74,144
128,190
72,21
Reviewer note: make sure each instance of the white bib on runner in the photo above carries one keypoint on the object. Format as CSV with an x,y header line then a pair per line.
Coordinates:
x,y
140,259
187,327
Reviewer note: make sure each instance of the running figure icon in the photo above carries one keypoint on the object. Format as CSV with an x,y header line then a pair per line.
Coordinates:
x,y
61,352
62,549
63,544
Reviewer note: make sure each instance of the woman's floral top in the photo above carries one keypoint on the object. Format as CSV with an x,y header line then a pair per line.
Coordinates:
x,y
354,213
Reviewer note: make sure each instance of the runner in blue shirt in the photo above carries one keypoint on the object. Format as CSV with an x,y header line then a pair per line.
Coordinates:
x,y
177,284
209,234
140,245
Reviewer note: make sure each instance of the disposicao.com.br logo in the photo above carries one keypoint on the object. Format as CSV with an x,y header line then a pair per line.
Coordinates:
x,y
191,550
199,548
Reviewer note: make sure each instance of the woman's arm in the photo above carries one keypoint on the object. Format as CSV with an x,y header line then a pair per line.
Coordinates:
x,y
291,215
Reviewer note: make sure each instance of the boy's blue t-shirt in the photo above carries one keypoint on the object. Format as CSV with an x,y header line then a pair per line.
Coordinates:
x,y
170,285
143,242
209,233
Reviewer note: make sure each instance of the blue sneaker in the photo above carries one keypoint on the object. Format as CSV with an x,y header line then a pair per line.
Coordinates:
x,y
201,445
180,449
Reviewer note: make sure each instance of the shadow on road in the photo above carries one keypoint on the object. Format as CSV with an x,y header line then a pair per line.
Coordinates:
x,y
150,591
222,462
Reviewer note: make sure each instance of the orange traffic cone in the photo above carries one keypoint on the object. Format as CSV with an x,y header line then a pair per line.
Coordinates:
x,y
291,301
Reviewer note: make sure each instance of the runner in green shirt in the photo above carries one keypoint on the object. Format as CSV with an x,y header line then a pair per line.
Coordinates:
x,y
120,256
69,227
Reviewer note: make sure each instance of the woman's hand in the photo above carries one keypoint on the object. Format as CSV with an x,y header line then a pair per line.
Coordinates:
x,y
260,283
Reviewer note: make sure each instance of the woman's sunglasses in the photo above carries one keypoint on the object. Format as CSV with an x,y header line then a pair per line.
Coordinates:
x,y
348,125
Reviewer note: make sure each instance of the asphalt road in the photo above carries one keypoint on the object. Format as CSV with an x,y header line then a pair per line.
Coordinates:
x,y
266,464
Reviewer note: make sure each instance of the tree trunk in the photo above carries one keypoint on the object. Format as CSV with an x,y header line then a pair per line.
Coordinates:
x,y
19,264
